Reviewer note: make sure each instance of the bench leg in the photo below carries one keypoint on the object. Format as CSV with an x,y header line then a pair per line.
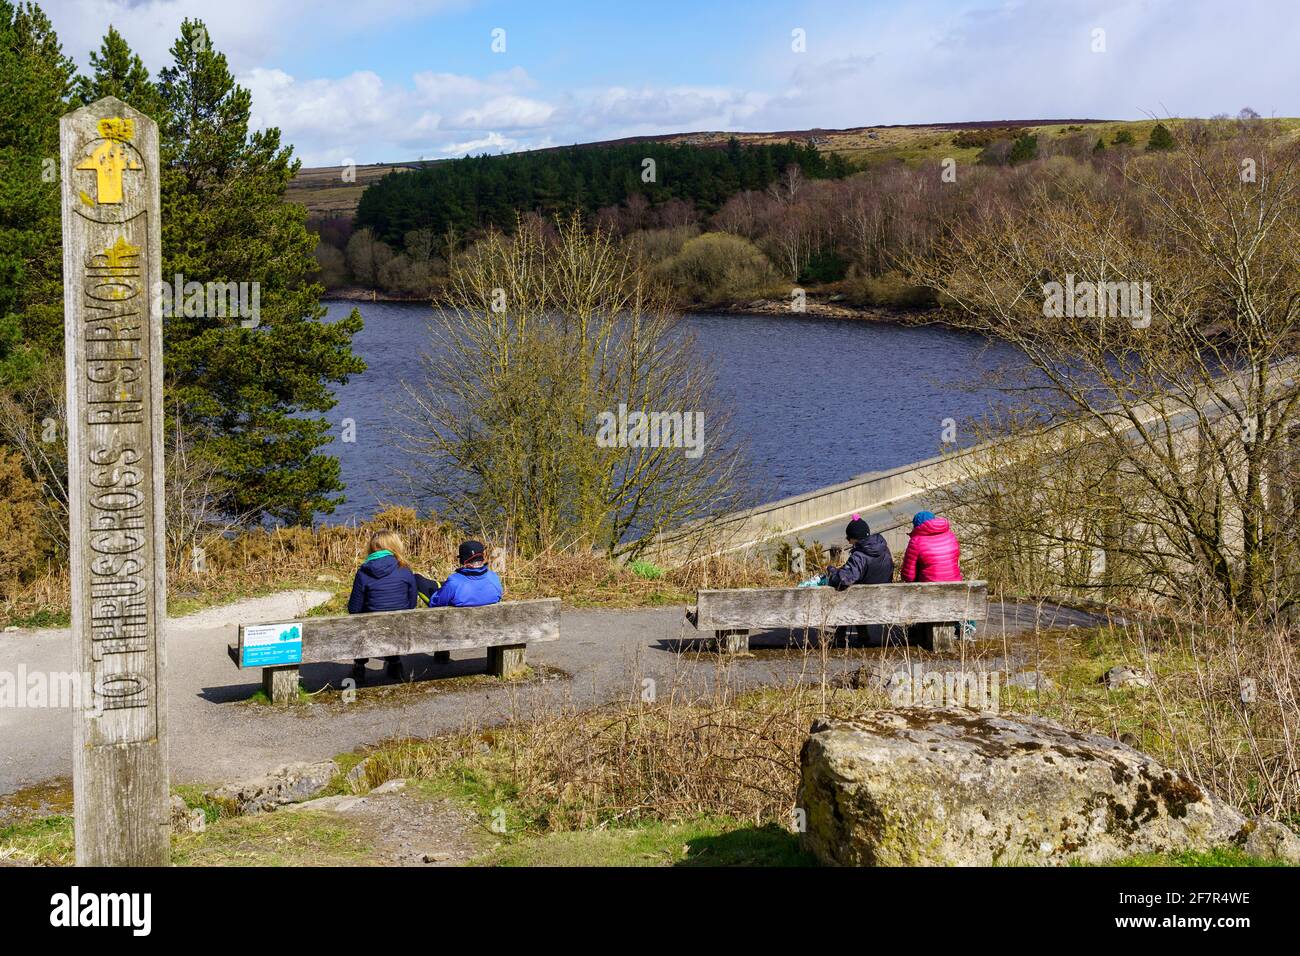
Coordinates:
x,y
943,637
506,660
280,684
732,642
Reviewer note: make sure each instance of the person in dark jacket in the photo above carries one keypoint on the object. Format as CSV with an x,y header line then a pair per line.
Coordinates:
x,y
869,562
384,582
473,584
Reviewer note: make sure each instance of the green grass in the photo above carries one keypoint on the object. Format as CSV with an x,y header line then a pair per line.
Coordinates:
x,y
298,838
42,618
1220,856
45,840
259,697
705,842
645,569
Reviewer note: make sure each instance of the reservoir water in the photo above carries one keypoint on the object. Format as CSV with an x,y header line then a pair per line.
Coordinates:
x,y
815,400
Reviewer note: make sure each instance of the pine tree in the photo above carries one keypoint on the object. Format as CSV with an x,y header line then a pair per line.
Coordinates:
x,y
1023,149
245,394
34,94
116,71
1160,139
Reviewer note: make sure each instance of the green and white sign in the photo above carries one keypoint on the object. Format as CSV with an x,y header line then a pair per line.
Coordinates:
x,y
270,645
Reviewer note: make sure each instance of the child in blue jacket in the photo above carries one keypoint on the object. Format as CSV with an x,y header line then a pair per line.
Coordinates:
x,y
473,584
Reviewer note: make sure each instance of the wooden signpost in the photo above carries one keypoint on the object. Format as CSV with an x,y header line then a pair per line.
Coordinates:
x,y
113,362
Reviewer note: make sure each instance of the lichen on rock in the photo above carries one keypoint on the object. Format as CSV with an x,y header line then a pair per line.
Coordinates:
x,y
947,787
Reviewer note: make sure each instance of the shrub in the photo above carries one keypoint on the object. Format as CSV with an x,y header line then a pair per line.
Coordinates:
x,y
822,267
891,291
719,267
645,569
980,138
21,546
1160,138
1023,149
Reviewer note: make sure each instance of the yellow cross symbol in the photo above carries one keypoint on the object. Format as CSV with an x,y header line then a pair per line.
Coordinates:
x,y
108,161
119,254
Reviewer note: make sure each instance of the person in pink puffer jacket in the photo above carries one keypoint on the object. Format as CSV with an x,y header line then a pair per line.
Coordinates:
x,y
933,553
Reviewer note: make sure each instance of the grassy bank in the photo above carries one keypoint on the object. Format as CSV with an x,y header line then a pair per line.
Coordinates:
x,y
260,562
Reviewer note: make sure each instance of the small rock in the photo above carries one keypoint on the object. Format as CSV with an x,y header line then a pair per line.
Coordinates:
x,y
1120,677
185,820
11,627
389,786
339,803
357,775
1267,838
1032,680
290,783
179,808
439,857
876,677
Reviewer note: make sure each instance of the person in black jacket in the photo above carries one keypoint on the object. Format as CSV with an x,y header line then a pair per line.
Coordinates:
x,y
869,562
384,582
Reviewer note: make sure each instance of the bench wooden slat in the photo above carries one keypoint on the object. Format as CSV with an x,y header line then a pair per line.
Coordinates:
x,y
757,608
425,630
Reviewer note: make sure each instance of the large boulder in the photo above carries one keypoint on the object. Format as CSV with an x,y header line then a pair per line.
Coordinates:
x,y
949,787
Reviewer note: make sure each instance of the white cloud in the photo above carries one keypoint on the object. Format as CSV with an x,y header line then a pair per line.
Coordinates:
x,y
506,112
1028,59
362,118
250,33
433,87
491,143
628,112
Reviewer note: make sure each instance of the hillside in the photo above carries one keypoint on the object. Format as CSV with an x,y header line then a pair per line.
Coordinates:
x,y
324,193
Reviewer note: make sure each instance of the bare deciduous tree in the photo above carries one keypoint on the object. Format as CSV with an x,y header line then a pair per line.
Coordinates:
x,y
1193,405
537,340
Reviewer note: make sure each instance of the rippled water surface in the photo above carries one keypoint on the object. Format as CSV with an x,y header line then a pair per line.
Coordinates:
x,y
816,401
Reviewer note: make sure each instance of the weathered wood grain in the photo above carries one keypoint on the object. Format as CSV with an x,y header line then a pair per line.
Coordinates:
x,y
428,630
755,608
507,660
280,684
113,367
731,642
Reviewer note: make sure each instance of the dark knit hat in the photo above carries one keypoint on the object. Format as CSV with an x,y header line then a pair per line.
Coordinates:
x,y
858,530
471,550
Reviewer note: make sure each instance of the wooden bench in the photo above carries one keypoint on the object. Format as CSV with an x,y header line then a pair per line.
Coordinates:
x,y
725,617
505,629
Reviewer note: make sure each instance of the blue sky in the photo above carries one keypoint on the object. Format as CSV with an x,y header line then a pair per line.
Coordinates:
x,y
400,79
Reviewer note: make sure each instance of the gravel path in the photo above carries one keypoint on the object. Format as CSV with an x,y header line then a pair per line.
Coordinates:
x,y
215,737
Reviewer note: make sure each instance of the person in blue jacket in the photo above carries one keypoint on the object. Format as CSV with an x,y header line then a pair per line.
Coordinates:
x,y
473,584
384,582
